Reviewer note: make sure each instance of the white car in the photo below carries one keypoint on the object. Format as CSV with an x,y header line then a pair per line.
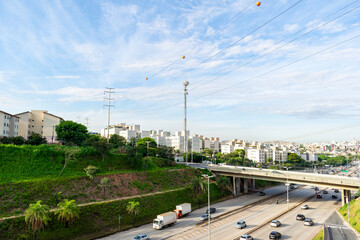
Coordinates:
x,y
240,224
308,222
304,206
204,217
275,223
246,237
142,237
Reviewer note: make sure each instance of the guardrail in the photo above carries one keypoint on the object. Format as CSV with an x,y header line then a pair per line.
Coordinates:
x,y
288,176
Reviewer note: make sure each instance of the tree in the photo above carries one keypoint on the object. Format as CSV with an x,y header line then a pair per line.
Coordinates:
x,y
18,140
5,140
104,183
223,182
102,147
70,132
91,139
198,186
37,216
133,208
67,211
70,154
117,141
91,171
36,139
293,158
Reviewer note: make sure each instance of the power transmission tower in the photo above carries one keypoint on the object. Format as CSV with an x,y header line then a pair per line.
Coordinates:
x,y
108,98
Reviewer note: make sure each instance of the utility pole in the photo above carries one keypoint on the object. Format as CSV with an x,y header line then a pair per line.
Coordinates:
x,y
186,83
86,122
147,145
108,91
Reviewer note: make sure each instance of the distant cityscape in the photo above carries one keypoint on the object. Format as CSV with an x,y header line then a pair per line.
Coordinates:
x,y
44,123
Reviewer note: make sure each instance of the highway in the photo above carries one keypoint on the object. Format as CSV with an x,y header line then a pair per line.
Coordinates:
x,y
187,223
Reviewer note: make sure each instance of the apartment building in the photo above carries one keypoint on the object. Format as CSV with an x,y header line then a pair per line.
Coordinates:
x,y
9,125
257,155
38,121
227,148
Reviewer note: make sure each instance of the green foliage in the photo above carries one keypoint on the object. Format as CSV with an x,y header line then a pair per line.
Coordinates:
x,y
5,140
104,183
71,133
67,212
223,182
133,208
101,219
319,236
198,185
293,158
91,171
18,140
117,141
37,216
36,139
102,147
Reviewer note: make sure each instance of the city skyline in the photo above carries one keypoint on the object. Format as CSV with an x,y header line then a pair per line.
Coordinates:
x,y
280,83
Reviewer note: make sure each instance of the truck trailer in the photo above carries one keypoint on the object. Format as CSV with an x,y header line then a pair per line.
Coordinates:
x,y
182,210
164,220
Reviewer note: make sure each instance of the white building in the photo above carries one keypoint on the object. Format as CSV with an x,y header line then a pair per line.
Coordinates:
x,y
313,157
227,148
9,125
40,122
195,144
257,155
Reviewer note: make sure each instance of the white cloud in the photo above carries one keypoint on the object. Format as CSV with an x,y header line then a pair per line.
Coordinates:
x,y
291,27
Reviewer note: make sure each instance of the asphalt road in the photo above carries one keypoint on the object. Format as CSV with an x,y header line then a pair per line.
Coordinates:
x,y
319,211
337,229
188,222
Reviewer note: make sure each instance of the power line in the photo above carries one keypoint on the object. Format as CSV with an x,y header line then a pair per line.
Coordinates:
x,y
273,70
259,57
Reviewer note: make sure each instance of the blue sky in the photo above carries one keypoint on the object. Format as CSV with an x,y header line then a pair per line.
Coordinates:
x,y
254,73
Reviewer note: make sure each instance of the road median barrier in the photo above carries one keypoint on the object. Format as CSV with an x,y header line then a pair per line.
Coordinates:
x,y
281,214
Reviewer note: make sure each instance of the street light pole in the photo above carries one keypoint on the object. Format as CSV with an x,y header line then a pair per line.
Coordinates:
x,y
186,83
287,188
209,214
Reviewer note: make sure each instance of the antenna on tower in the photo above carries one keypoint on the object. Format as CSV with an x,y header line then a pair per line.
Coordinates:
x,y
108,98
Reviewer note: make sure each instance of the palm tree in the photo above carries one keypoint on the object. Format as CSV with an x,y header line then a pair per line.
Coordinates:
x,y
223,182
67,211
133,208
37,216
198,186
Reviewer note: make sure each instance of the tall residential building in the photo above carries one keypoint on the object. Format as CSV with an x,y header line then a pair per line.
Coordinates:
x,y
9,125
257,155
38,121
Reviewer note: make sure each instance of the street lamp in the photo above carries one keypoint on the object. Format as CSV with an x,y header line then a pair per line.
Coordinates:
x,y
209,213
287,188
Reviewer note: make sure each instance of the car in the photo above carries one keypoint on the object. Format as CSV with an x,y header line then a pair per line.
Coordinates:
x,y
336,190
325,192
212,210
246,237
275,223
274,235
308,222
316,188
300,217
261,193
312,187
305,206
204,217
142,237
291,187
333,196
240,224
318,196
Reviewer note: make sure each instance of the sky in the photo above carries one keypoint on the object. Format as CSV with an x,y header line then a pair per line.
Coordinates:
x,y
284,70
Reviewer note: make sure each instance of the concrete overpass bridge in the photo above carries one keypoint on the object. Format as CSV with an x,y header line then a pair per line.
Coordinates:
x,y
243,175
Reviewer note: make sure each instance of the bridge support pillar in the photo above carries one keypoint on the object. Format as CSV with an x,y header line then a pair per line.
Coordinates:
x,y
345,196
246,185
237,185
253,185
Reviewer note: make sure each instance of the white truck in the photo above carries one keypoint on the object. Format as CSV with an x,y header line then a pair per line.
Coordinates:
x,y
182,210
164,220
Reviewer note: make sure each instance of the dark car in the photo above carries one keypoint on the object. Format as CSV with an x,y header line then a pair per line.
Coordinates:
x,y
325,192
300,217
333,196
274,235
261,193
212,210
318,196
336,190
